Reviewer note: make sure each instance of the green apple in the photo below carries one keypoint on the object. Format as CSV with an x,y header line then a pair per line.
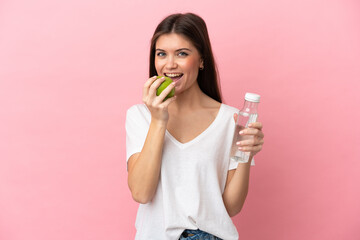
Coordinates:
x,y
163,85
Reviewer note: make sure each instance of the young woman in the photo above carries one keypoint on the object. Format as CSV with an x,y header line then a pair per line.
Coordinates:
x,y
178,149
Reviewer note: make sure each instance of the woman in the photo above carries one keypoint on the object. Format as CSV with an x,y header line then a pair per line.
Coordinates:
x,y
178,149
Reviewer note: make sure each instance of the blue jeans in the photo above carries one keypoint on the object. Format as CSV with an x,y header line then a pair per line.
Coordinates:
x,y
197,235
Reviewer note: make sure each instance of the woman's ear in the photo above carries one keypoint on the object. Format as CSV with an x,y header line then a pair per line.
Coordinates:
x,y
201,64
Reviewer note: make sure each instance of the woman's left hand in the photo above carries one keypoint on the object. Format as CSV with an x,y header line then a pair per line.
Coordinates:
x,y
255,143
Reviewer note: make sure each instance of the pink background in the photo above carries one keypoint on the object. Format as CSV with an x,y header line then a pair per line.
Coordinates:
x,y
70,69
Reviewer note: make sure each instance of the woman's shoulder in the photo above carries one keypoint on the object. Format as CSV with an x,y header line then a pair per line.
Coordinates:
x,y
212,103
229,108
138,110
215,107
137,107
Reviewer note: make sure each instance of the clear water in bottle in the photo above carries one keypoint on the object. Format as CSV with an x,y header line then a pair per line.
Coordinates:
x,y
235,153
248,114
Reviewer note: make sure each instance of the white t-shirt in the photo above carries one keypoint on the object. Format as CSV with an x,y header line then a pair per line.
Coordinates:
x,y
192,179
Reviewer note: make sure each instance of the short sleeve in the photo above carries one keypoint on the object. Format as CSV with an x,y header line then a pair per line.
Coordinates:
x,y
233,164
137,126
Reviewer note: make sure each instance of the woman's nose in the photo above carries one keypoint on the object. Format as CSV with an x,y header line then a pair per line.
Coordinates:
x,y
171,63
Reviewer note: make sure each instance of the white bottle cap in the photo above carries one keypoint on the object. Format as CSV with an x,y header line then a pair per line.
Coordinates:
x,y
252,97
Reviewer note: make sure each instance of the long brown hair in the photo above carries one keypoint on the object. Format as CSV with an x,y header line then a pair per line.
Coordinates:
x,y
194,28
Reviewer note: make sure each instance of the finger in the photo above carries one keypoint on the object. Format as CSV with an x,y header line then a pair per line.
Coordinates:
x,y
147,84
254,149
155,85
161,98
249,131
167,90
168,101
252,131
257,125
250,142
149,81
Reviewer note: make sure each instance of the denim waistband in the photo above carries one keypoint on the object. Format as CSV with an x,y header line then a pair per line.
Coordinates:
x,y
197,234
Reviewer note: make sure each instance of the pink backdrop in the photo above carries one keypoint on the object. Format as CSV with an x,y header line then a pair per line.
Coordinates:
x,y
70,69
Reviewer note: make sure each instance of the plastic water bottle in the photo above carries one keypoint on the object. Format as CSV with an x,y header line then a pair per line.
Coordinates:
x,y
248,114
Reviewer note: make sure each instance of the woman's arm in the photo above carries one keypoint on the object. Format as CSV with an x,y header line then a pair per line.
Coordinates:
x,y
237,182
236,189
144,167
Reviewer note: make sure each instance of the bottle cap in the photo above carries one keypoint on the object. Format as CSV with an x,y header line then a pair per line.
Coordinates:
x,y
252,97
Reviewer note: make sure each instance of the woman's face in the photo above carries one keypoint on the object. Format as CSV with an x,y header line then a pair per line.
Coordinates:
x,y
177,58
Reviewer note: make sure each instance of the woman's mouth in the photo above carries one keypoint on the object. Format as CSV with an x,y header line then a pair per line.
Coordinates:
x,y
174,76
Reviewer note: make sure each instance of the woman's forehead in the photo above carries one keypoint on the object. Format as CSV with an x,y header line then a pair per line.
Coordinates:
x,y
173,41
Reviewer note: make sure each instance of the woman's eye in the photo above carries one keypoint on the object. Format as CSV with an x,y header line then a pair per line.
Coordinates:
x,y
160,54
183,54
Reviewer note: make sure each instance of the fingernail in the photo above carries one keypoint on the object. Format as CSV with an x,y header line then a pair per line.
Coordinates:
x,y
237,143
241,132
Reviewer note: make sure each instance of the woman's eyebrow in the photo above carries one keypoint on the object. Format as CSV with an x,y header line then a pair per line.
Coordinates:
x,y
181,49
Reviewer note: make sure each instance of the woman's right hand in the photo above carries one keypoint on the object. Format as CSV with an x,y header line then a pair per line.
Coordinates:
x,y
156,104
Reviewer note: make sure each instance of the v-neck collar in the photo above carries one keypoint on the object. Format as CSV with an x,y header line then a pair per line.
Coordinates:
x,y
198,137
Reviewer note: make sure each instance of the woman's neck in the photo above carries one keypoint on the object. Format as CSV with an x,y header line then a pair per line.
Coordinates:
x,y
192,99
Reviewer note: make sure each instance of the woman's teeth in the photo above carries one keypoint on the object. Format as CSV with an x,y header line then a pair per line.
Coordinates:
x,y
173,75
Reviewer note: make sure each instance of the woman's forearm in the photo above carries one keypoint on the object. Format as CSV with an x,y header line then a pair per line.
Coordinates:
x,y
144,168
236,190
